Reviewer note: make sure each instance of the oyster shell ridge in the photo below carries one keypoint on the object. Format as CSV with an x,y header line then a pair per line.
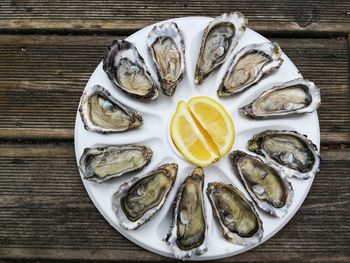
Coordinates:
x,y
148,153
235,18
167,29
270,48
136,118
233,237
314,93
235,156
109,68
170,169
171,239
253,145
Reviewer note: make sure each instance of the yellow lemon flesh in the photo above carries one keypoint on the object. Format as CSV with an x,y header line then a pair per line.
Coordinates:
x,y
190,140
202,130
215,120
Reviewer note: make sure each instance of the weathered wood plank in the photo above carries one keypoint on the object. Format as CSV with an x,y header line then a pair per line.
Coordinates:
x,y
315,17
45,213
42,78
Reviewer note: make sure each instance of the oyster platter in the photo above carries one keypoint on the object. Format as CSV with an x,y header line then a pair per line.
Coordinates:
x,y
197,138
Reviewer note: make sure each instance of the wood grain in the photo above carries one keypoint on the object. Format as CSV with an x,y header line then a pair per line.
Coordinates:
x,y
283,17
42,79
45,213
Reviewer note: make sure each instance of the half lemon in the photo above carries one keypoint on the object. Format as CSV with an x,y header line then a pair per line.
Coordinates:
x,y
215,120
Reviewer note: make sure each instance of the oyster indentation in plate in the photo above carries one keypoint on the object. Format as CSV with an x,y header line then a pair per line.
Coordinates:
x,y
219,39
249,66
293,97
101,112
103,163
166,45
265,183
189,228
139,199
236,216
127,70
291,151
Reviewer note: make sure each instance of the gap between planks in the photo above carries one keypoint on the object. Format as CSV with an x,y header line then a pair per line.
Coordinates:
x,y
282,31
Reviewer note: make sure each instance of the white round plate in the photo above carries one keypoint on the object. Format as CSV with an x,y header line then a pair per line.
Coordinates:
x,y
155,133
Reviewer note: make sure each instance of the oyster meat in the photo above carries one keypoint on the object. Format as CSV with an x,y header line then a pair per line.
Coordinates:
x,y
103,163
265,183
166,45
249,66
127,70
219,39
289,150
139,199
101,112
293,97
236,216
189,228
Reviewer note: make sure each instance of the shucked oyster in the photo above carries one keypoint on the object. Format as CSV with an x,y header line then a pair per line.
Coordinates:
x,y
249,66
189,229
103,163
139,199
219,39
166,45
289,150
264,182
127,69
293,97
100,112
235,215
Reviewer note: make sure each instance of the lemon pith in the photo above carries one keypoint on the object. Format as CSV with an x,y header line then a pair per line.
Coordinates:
x,y
193,136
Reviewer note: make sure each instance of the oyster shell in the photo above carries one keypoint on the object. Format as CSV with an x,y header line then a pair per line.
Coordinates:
x,y
166,45
103,163
188,233
127,70
236,216
249,66
265,183
139,199
101,112
289,150
293,97
219,39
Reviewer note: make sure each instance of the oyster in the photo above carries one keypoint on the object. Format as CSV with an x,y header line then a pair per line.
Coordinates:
x,y
265,183
189,229
166,45
293,97
219,39
249,66
127,69
235,215
103,163
139,199
101,112
289,150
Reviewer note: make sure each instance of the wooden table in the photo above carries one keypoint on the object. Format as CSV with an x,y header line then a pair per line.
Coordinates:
x,y
48,49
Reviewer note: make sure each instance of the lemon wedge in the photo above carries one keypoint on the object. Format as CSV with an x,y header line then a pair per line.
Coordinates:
x,y
215,120
194,144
